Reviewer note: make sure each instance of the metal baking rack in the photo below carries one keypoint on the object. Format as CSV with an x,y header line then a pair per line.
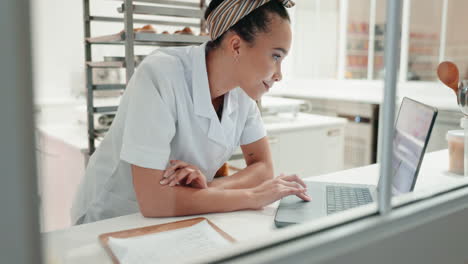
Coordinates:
x,y
184,12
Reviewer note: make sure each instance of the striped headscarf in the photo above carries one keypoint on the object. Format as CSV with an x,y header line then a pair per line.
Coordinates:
x,y
229,12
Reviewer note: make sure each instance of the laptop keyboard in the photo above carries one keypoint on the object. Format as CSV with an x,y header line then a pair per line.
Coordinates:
x,y
340,198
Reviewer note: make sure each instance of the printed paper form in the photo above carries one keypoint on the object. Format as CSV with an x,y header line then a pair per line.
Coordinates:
x,y
174,245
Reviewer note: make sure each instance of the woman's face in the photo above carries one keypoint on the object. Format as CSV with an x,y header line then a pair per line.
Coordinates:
x,y
259,66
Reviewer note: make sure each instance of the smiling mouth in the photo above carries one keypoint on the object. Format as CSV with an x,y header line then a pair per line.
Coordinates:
x,y
267,87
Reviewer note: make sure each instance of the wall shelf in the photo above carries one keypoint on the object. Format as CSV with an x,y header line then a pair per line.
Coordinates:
x,y
163,11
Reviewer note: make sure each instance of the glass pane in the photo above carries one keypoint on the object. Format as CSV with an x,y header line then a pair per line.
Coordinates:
x,y
316,137
311,144
457,40
357,40
424,39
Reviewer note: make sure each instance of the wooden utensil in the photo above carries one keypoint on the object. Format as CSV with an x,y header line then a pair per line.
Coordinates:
x,y
448,74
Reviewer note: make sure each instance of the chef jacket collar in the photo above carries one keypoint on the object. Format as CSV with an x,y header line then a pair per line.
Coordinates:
x,y
202,99
200,85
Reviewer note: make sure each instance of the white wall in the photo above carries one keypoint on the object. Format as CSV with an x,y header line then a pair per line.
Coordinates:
x,y
58,43
57,32
315,39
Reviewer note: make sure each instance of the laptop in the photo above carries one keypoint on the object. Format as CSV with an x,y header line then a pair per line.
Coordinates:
x,y
413,128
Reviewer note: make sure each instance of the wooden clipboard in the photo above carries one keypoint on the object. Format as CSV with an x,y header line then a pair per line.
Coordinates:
x,y
104,238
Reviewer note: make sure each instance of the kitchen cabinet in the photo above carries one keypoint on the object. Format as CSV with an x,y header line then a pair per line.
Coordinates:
x,y
309,152
361,130
304,144
62,157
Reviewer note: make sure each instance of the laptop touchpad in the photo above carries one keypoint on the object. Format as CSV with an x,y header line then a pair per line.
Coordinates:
x,y
294,209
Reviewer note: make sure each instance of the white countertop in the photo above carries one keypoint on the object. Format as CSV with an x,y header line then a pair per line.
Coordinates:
x,y
333,90
431,93
299,121
274,105
79,244
75,132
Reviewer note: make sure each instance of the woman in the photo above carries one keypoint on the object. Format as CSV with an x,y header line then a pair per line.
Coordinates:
x,y
183,114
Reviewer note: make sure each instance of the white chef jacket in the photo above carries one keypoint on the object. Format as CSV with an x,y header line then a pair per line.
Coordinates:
x,y
165,113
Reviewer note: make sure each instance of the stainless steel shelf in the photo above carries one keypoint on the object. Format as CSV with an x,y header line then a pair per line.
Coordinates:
x,y
150,39
145,21
108,38
100,133
168,2
173,38
164,11
106,64
107,87
188,14
105,109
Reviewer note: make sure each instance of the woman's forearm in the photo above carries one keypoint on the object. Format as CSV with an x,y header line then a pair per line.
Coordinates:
x,y
179,201
253,175
157,200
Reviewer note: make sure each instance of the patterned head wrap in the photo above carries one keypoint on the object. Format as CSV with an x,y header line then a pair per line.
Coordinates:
x,y
229,12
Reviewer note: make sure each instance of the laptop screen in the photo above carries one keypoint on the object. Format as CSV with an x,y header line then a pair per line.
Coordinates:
x,y
412,132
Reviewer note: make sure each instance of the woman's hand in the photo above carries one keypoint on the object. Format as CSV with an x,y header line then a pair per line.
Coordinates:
x,y
277,188
185,174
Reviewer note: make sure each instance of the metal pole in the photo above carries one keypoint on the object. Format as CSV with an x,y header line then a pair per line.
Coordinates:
x,y
19,199
129,38
392,39
89,77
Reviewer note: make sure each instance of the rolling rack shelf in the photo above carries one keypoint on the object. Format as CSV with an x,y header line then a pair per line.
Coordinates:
x,y
188,11
150,39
